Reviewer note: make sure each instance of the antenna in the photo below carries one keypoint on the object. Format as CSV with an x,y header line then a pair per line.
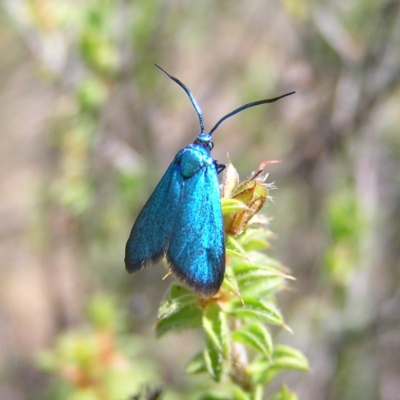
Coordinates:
x,y
252,104
238,110
189,93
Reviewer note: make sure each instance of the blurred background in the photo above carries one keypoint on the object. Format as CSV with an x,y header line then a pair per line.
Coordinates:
x,y
88,125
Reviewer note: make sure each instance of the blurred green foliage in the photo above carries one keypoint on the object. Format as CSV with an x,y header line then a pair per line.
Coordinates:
x,y
347,225
102,360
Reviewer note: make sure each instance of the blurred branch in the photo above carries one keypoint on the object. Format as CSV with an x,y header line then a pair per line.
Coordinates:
x,y
379,78
363,83
387,320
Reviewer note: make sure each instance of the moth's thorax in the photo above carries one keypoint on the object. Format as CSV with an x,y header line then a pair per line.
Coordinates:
x,y
192,158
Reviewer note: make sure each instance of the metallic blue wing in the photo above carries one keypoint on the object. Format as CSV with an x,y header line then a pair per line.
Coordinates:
x,y
196,252
152,230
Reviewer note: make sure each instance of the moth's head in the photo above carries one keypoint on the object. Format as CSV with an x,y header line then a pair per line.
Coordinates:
x,y
204,139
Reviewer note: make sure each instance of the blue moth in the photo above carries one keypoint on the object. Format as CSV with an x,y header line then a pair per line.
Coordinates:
x,y
182,220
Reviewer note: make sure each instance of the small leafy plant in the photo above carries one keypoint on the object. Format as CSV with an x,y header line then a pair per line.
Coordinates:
x,y
239,348
104,361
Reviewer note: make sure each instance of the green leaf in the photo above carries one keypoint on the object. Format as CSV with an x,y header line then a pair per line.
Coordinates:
x,y
214,396
218,340
230,282
260,259
252,308
233,248
240,394
215,325
285,394
255,394
216,365
260,288
256,274
243,266
255,336
284,358
196,365
255,239
288,358
232,206
179,310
